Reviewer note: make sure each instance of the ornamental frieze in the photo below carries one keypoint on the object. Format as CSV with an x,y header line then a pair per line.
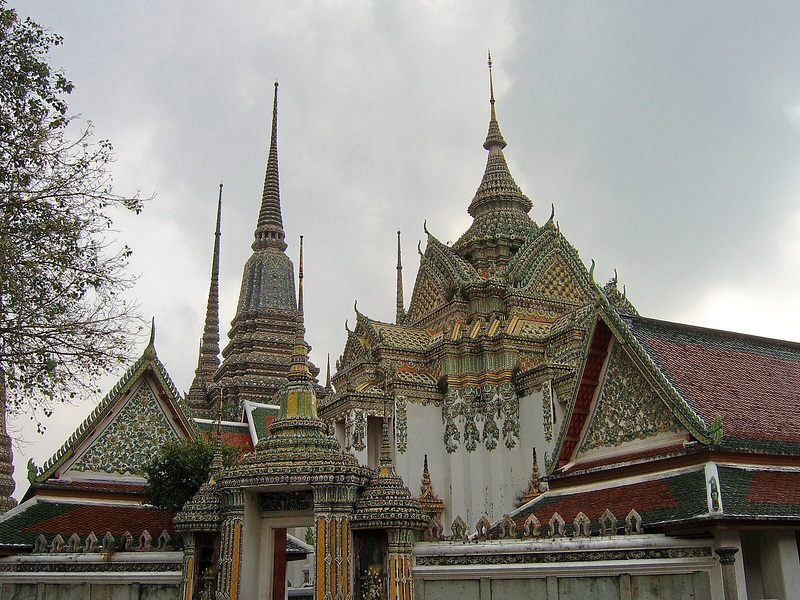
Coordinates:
x,y
472,414
285,501
534,557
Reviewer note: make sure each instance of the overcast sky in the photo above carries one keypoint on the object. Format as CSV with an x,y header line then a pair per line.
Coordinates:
x,y
666,134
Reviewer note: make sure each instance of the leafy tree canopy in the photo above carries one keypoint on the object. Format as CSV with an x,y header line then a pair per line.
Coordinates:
x,y
63,321
180,468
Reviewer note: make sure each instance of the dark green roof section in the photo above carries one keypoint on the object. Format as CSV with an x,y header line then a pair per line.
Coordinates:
x,y
13,529
760,493
714,338
295,546
211,426
659,501
260,415
689,489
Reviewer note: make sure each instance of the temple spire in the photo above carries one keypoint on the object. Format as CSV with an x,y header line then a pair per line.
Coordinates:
x,y
401,312
208,360
269,231
300,314
494,138
328,387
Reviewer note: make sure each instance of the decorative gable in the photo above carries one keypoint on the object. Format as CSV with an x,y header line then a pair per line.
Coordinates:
x,y
627,407
136,417
132,436
555,278
548,265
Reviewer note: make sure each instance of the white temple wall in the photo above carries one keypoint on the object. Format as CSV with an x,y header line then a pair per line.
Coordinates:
x,y
82,576
471,483
636,567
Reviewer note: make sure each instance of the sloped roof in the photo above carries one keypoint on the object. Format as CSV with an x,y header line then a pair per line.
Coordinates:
x,y
760,493
753,383
21,526
673,498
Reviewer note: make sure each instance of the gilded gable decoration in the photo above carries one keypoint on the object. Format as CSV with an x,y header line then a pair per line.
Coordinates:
x,y
131,439
627,407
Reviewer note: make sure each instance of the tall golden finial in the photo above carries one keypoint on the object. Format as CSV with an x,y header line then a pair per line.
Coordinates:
x,y
400,312
493,138
300,315
491,87
534,484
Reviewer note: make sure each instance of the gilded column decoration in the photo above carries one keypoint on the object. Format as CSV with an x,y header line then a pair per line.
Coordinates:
x,y
333,557
547,410
401,424
187,579
231,547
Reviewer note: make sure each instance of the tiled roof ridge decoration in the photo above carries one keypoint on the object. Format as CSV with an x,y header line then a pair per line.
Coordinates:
x,y
148,361
538,247
77,544
556,528
269,231
756,340
208,360
705,433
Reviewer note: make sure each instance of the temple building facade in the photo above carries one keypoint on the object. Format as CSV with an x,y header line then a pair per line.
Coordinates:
x,y
519,430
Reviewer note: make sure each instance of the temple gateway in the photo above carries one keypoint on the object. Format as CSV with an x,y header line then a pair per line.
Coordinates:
x,y
518,431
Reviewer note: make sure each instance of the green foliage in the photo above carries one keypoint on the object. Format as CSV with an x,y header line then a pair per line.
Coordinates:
x,y
63,321
179,469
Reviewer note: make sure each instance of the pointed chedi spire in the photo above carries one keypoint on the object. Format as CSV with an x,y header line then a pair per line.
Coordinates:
x,y
208,359
499,209
256,361
493,137
401,312
431,504
328,387
269,231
